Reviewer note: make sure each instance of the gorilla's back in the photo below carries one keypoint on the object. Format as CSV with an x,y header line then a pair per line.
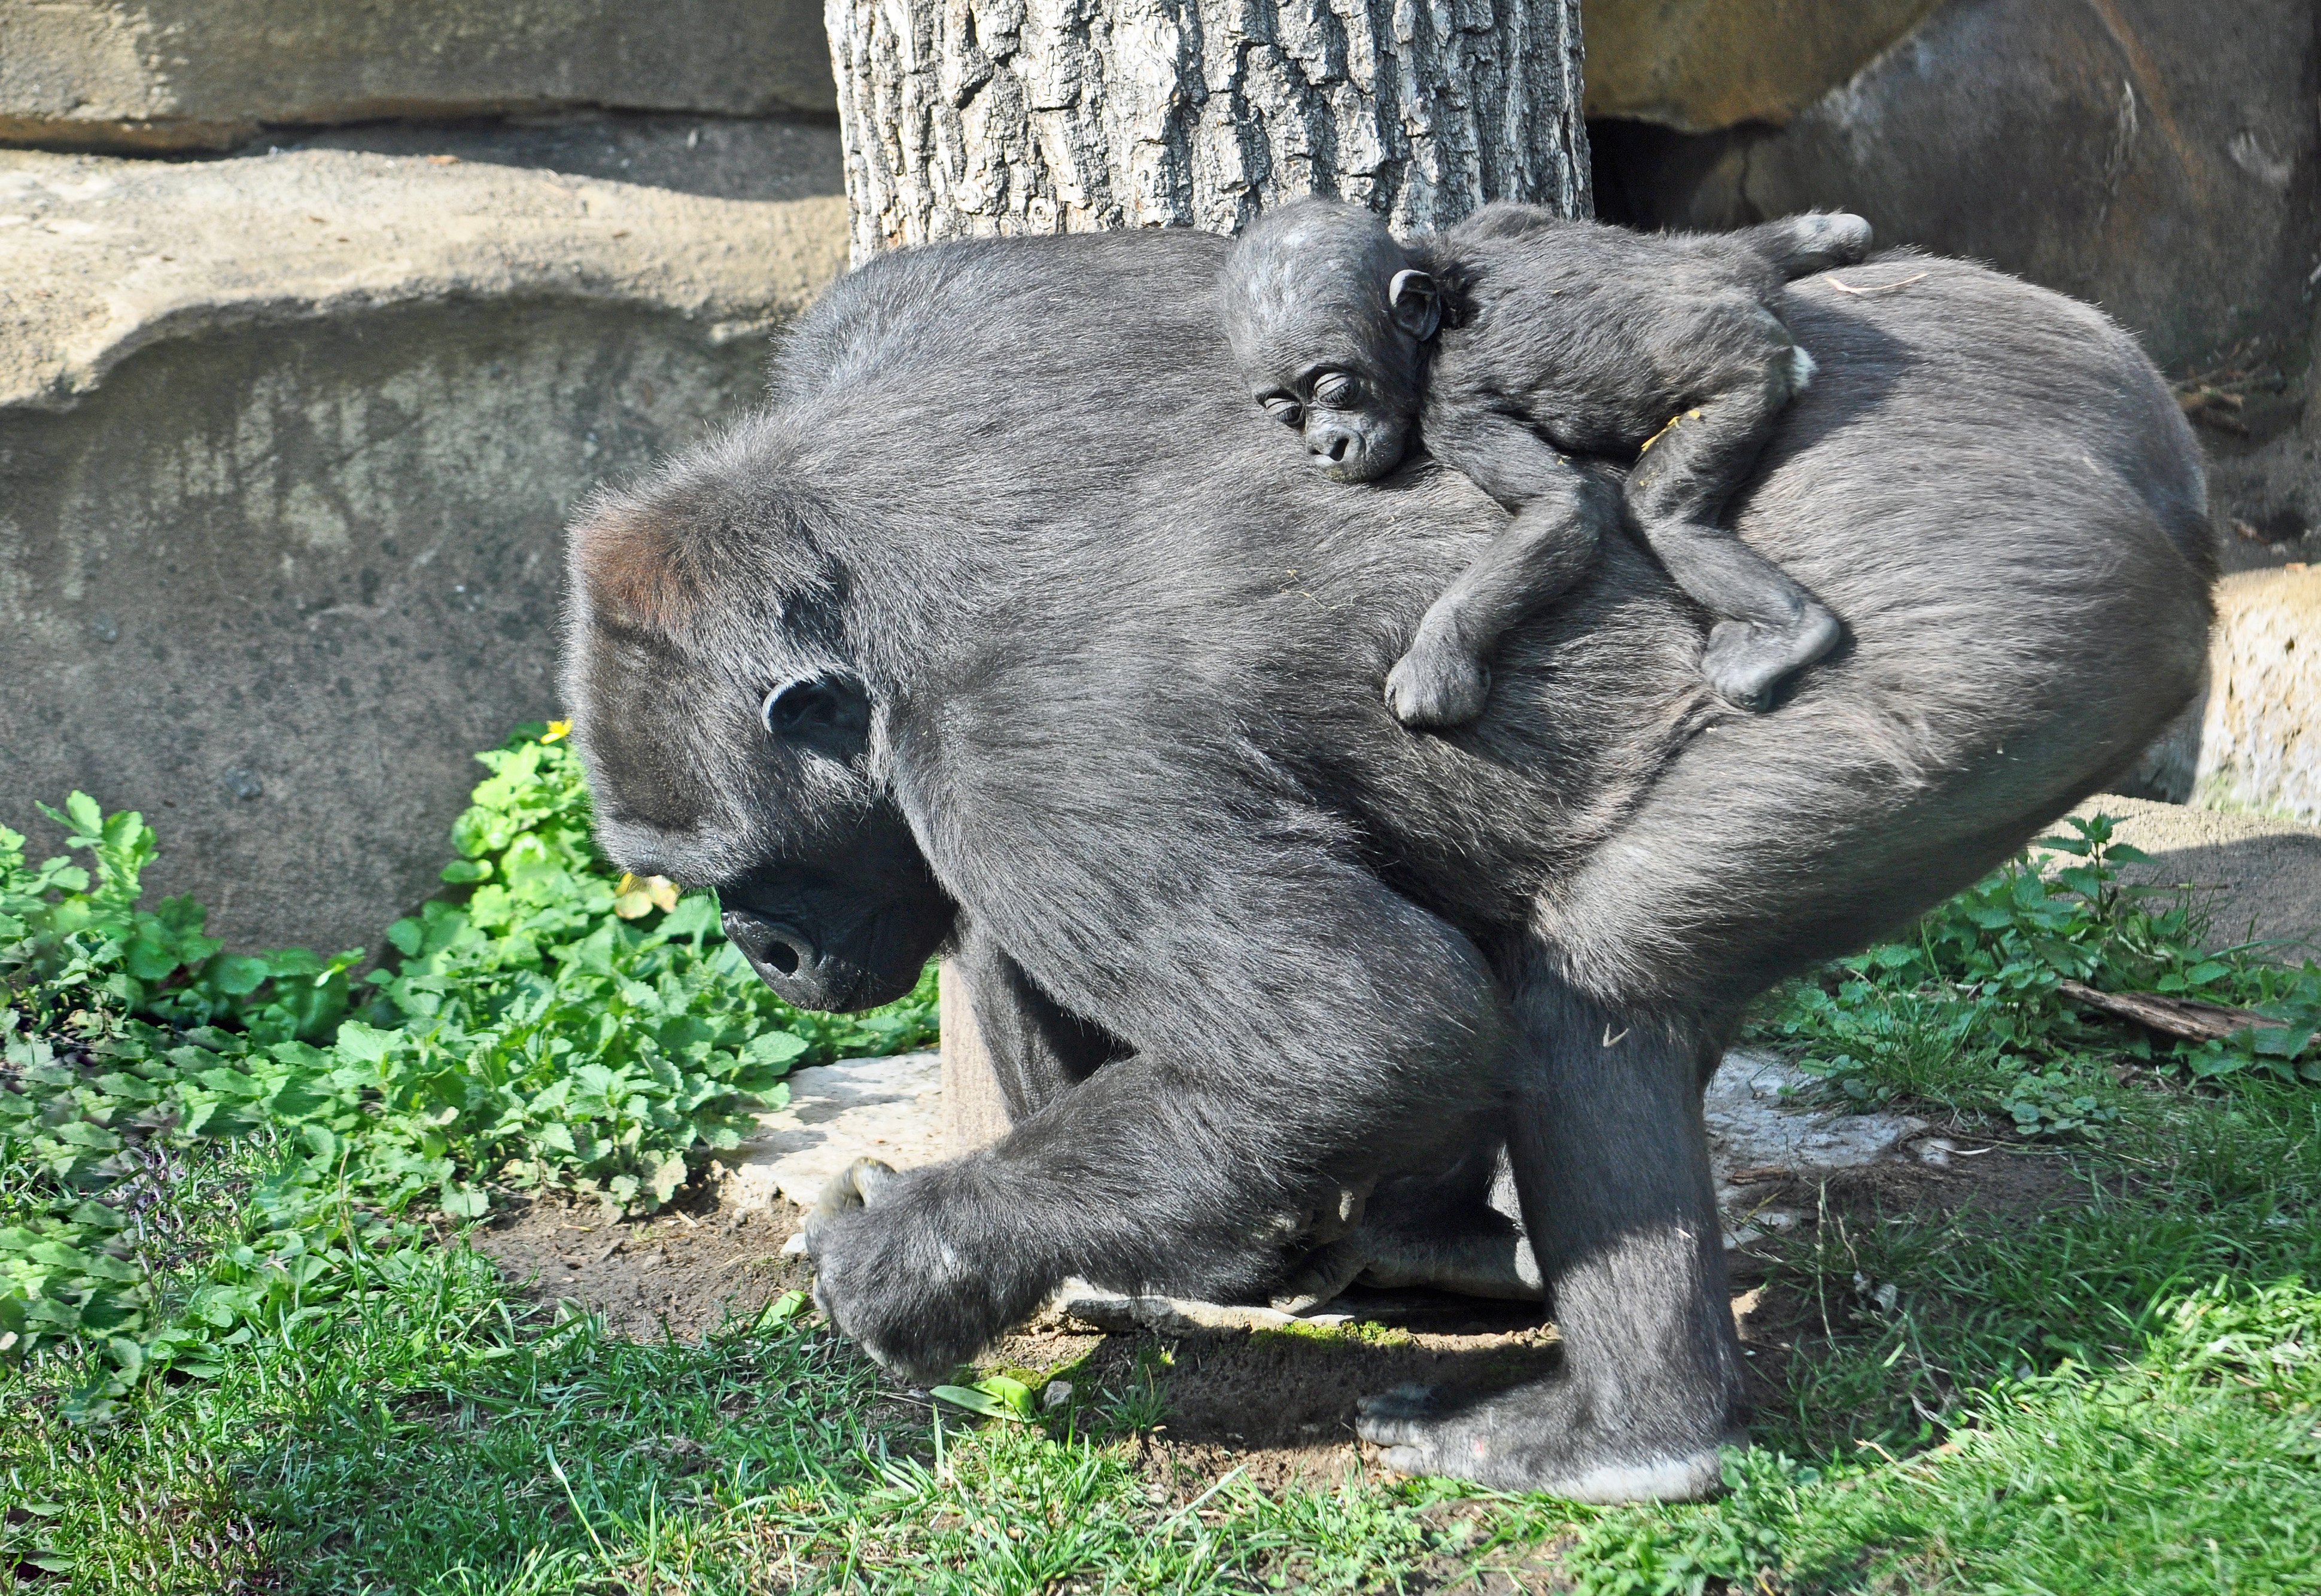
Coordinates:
x,y
1045,444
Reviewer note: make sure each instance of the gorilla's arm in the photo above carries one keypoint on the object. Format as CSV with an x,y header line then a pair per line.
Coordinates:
x,y
1288,1012
1562,512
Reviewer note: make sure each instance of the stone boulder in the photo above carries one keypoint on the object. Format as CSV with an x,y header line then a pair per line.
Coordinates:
x,y
1701,65
2155,156
2260,741
286,448
208,74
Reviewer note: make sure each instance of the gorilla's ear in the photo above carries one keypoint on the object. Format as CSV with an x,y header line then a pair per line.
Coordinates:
x,y
829,713
631,557
1411,300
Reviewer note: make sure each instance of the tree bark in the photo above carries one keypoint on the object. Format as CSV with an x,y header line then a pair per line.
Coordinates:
x,y
965,118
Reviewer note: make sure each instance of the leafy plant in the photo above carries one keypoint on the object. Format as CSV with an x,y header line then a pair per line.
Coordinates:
x,y
1970,1006
557,1025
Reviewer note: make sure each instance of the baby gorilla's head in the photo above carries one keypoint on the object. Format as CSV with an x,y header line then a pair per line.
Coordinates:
x,y
1328,320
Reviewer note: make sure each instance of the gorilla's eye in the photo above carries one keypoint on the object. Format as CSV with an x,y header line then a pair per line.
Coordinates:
x,y
1334,391
829,712
1282,408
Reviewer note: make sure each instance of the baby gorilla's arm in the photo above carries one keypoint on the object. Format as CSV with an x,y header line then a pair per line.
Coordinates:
x,y
1560,514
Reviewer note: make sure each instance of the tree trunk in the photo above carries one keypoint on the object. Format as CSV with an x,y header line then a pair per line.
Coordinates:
x,y
964,118
967,118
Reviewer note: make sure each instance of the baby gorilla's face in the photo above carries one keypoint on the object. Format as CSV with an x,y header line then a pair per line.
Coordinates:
x,y
1355,418
1328,319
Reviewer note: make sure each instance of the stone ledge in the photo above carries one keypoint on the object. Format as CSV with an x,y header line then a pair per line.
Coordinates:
x,y
286,446
100,257
208,74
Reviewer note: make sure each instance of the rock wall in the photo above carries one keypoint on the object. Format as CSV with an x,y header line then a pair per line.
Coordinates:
x,y
2259,742
2155,156
1698,65
287,444
209,74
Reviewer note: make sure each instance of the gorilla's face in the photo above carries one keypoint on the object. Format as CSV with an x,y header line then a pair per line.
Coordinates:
x,y
726,749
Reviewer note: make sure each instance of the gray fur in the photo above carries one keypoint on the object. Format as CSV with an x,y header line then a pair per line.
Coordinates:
x,y
1245,944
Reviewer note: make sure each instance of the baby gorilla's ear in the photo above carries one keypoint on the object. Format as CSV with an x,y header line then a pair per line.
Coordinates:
x,y
1411,300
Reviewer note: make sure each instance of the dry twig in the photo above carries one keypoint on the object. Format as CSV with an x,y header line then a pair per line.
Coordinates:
x,y
2188,1017
1877,288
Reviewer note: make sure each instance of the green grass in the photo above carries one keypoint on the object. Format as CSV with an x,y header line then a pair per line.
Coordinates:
x,y
2115,1389
550,1024
430,1434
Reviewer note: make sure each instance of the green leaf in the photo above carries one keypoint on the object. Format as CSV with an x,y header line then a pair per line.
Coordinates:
x,y
464,1202
239,974
995,1396
781,1310
365,1044
87,817
773,1047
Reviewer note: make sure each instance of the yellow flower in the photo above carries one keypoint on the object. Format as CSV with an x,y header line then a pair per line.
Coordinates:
x,y
556,731
636,896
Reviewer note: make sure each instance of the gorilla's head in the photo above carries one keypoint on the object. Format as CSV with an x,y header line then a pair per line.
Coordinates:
x,y
1328,317
730,739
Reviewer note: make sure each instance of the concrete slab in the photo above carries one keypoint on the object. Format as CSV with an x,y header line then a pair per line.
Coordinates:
x,y
207,74
1754,1124
287,447
860,1107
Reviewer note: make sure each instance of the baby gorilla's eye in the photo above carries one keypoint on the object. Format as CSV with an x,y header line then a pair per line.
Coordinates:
x,y
1282,408
1334,391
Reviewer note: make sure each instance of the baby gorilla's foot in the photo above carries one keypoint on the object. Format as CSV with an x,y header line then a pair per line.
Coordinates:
x,y
1747,661
1437,686
1540,1436
1840,235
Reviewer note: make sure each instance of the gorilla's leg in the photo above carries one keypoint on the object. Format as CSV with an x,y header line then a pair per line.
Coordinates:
x,y
1611,1159
1456,1231
1419,1230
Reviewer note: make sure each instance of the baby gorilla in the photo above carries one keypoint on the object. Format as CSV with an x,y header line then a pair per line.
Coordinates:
x,y
1514,341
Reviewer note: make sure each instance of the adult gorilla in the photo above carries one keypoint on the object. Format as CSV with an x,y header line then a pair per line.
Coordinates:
x,y
1011,625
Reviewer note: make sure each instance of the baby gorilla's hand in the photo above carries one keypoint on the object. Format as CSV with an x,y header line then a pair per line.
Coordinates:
x,y
887,1276
1437,686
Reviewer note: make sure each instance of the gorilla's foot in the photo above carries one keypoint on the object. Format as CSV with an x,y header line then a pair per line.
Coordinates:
x,y
1746,663
1540,1436
1323,1274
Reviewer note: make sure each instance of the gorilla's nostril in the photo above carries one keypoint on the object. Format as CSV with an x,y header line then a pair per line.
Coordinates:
x,y
783,957
1337,451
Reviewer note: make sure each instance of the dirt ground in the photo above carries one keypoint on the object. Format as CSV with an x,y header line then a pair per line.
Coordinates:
x,y
1278,1405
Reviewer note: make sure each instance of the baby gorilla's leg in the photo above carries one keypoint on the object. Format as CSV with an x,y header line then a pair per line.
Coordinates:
x,y
1817,241
1769,627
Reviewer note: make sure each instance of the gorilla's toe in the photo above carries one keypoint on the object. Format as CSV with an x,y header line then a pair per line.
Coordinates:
x,y
856,1186
1323,1276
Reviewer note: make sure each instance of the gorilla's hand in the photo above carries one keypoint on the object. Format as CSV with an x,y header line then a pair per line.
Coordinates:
x,y
888,1276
